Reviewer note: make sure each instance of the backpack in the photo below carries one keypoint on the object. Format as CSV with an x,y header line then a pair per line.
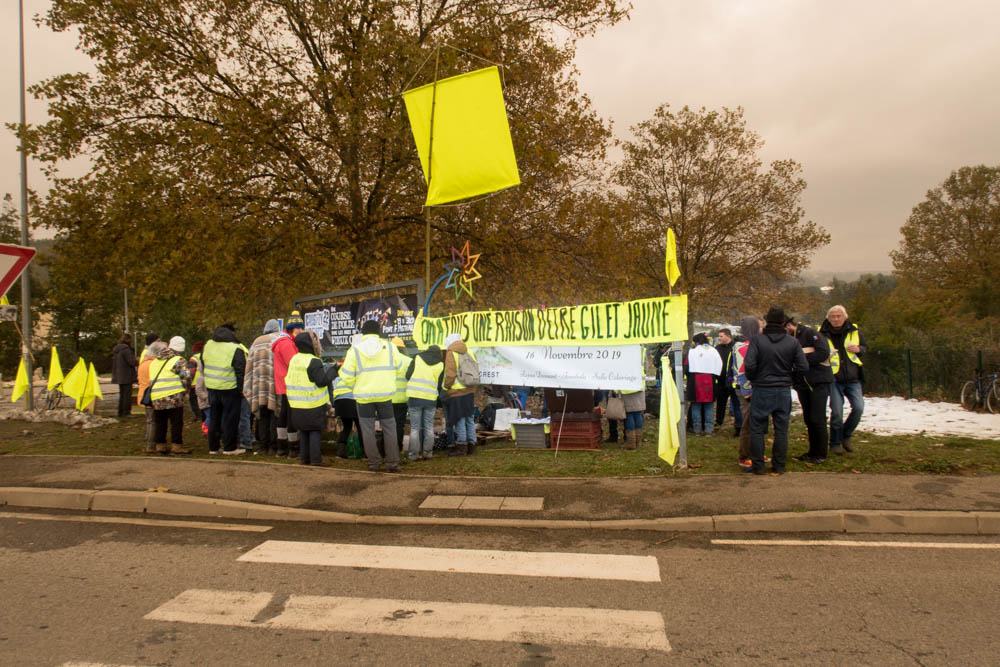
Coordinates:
x,y
488,418
738,368
468,369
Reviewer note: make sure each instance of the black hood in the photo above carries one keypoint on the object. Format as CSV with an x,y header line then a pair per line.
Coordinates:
x,y
303,341
432,355
224,335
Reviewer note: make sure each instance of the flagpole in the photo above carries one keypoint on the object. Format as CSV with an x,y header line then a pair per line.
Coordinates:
x,y
26,275
430,163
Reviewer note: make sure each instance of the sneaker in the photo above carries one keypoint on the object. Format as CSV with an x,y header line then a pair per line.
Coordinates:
x,y
213,451
847,445
392,470
204,429
837,449
235,452
746,464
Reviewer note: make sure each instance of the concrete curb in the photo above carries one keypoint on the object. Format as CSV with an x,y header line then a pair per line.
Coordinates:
x,y
820,521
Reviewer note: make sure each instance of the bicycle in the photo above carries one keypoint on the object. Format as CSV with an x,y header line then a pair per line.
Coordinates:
x,y
985,390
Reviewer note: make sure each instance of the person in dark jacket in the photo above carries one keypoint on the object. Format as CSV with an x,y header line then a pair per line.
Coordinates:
x,y
724,393
847,346
813,388
307,384
772,359
123,373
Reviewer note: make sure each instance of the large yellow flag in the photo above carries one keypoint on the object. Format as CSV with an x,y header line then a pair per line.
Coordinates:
x,y
91,389
76,381
673,271
55,370
670,415
20,382
468,151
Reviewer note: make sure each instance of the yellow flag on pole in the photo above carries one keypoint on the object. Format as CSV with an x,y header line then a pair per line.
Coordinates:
x,y
673,271
91,389
75,381
4,301
55,370
670,415
20,382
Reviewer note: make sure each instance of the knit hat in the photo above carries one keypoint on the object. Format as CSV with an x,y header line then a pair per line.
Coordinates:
x,y
776,315
271,326
700,338
177,344
151,338
371,327
398,342
197,347
294,321
451,338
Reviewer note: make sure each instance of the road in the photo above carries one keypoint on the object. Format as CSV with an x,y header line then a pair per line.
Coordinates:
x,y
175,593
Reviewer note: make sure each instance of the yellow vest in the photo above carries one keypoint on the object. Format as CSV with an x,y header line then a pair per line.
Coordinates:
x,y
302,392
424,381
217,361
851,339
456,384
341,390
402,363
167,382
374,379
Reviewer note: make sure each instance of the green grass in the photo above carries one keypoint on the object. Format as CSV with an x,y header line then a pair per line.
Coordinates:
x,y
716,454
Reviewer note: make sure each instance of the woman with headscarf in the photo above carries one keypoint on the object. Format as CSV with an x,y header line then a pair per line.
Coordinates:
x,y
307,386
704,368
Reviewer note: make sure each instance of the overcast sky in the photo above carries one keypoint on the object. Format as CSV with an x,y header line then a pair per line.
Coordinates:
x,y
878,100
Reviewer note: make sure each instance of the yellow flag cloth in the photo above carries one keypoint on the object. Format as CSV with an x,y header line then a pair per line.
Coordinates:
x,y
91,389
75,381
55,370
469,147
673,271
670,415
20,382
4,301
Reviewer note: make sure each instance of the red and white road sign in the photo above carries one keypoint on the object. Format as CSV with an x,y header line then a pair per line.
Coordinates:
x,y
14,259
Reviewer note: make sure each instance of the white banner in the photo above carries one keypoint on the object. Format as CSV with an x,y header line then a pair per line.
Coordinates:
x,y
600,367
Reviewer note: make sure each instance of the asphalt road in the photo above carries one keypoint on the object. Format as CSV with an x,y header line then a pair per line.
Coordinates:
x,y
78,593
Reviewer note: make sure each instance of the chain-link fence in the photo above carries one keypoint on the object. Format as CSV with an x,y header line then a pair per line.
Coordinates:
x,y
934,374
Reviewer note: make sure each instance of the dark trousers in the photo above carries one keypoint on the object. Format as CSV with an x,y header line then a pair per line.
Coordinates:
x,y
347,412
267,434
225,421
613,429
725,395
310,452
776,403
124,399
173,416
195,410
813,402
400,412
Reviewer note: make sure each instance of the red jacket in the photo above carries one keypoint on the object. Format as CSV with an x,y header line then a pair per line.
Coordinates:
x,y
284,349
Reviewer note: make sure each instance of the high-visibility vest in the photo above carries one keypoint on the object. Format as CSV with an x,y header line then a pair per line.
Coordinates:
x,y
195,358
374,378
302,392
424,381
166,382
217,361
402,363
341,390
456,384
852,339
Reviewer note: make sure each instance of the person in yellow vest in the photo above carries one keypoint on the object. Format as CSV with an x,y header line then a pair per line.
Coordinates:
x,y
169,381
307,385
847,346
461,399
423,386
149,356
369,370
146,352
399,403
223,366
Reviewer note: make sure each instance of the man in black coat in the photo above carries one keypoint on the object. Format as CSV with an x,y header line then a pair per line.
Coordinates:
x,y
724,392
123,373
772,358
813,388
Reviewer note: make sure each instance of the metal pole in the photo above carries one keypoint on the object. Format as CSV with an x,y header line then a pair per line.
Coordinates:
x,y
682,455
430,170
26,276
909,370
125,280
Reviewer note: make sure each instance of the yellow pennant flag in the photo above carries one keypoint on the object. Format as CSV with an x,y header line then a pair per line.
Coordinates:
x,y
468,151
55,370
91,389
673,271
75,381
670,415
20,382
4,301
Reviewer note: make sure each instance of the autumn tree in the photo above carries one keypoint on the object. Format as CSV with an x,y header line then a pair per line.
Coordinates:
x,y
249,152
740,229
950,241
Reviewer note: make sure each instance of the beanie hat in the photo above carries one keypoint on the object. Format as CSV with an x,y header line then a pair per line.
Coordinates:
x,y
294,321
151,338
271,326
371,327
776,315
398,342
197,347
177,344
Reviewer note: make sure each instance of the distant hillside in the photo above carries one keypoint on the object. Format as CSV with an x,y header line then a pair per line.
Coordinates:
x,y
821,278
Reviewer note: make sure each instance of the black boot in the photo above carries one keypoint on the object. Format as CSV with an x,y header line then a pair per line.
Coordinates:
x,y
736,430
458,450
282,447
470,449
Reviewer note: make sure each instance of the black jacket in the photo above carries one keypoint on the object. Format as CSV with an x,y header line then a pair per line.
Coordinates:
x,y
819,359
124,364
773,357
239,363
849,371
320,374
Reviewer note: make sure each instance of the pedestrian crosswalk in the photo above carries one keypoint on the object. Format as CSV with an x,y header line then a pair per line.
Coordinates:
x,y
467,621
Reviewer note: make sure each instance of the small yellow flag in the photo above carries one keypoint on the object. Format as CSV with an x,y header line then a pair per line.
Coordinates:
x,y
673,271
75,381
55,370
670,415
4,301
91,389
20,382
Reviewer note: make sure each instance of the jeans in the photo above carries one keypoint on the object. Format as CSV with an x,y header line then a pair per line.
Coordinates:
x,y
702,416
465,431
246,434
776,403
207,412
421,431
309,448
367,413
633,421
841,430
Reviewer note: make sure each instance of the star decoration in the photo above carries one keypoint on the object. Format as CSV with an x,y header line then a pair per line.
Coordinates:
x,y
463,270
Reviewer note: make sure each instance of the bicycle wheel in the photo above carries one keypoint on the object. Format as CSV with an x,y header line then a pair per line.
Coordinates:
x,y
993,398
970,395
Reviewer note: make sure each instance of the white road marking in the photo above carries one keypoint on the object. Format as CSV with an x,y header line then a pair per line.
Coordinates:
x,y
92,664
478,561
611,628
168,523
857,543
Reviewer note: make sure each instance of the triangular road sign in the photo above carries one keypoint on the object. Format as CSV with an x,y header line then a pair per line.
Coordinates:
x,y
14,259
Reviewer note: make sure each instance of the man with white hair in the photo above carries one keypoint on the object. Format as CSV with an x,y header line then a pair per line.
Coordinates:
x,y
847,346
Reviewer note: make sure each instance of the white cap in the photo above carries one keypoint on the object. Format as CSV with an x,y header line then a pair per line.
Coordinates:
x,y
176,344
451,338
